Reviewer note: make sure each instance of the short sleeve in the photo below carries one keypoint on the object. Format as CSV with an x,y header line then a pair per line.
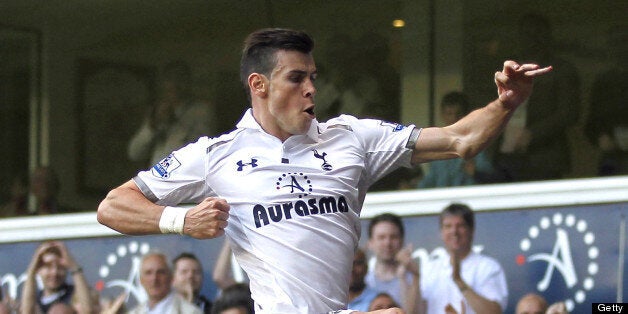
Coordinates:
x,y
384,143
179,178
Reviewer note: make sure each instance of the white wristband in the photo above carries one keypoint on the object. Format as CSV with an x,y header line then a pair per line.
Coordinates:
x,y
172,219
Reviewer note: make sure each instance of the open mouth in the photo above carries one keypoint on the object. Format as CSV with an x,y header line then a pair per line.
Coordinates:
x,y
310,111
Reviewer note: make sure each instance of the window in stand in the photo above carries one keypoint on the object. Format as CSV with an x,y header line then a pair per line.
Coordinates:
x,y
111,100
20,51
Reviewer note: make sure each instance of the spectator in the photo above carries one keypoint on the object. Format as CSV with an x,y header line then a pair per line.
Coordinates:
x,y
45,187
226,270
235,299
394,272
457,171
156,279
462,276
382,301
17,204
535,144
52,262
531,303
176,119
360,295
188,280
409,178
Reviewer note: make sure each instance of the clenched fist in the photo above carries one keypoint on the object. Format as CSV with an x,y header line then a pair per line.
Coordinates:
x,y
208,219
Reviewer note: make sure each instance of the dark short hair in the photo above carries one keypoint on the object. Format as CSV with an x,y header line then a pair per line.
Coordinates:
x,y
258,54
458,209
237,295
456,99
185,255
389,217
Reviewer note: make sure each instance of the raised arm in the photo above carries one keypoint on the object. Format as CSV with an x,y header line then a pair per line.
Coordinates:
x,y
222,273
29,287
471,134
82,291
128,211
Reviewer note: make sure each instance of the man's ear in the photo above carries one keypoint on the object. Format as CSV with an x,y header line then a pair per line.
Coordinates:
x,y
258,84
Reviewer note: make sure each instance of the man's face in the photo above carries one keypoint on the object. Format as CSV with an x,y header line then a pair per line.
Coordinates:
x,y
385,241
456,234
450,114
290,95
52,272
155,277
187,271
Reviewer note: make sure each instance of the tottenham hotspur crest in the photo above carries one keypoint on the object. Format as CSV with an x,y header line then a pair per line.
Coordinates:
x,y
325,166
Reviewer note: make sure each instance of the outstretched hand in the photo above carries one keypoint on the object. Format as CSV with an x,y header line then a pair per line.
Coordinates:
x,y
208,219
514,82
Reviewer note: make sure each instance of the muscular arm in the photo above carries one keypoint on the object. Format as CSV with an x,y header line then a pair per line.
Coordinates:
x,y
465,138
471,134
128,211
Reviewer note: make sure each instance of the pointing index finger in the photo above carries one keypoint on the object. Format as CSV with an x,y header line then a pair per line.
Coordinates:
x,y
538,72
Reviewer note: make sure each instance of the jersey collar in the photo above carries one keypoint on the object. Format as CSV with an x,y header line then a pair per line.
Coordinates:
x,y
248,122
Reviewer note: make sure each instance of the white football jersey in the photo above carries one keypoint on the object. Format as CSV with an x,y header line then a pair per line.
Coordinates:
x,y
295,205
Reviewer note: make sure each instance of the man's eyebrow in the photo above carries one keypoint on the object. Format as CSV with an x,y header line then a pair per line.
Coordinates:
x,y
302,72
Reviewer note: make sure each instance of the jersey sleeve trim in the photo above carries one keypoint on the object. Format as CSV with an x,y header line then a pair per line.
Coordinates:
x,y
145,190
414,137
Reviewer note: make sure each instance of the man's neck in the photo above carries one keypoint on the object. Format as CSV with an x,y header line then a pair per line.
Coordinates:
x,y
386,269
56,291
152,302
461,254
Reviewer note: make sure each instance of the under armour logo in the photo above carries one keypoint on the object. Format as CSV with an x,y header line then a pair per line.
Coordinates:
x,y
241,164
326,166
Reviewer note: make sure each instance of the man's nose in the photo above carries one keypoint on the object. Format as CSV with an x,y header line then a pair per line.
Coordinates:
x,y
310,89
